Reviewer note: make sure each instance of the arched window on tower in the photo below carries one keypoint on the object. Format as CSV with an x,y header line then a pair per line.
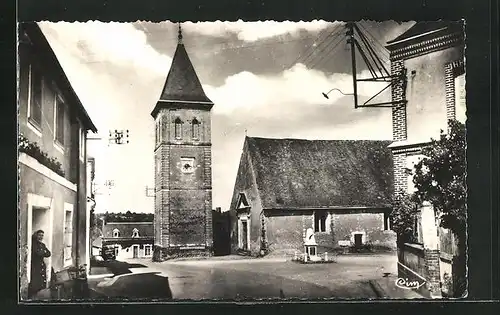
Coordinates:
x,y
195,129
178,128
116,233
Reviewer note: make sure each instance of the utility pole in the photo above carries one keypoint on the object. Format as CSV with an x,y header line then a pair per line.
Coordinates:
x,y
350,40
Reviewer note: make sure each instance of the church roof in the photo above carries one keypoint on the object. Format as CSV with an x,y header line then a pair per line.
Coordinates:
x,y
295,173
421,29
182,82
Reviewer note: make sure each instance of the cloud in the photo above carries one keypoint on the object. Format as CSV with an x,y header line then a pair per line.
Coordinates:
x,y
253,31
293,89
117,43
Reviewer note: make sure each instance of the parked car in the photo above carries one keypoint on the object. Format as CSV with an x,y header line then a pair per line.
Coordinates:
x,y
108,253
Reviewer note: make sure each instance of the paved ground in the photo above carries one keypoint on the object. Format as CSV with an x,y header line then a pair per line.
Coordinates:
x,y
237,278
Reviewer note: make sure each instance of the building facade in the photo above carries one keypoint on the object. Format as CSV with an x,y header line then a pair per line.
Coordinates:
x,y
129,239
183,163
339,188
53,125
430,59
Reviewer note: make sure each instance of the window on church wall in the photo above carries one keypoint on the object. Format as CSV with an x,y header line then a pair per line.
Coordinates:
x,y
460,94
195,129
178,128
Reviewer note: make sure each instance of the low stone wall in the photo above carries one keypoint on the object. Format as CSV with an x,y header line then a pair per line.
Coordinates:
x,y
162,253
412,265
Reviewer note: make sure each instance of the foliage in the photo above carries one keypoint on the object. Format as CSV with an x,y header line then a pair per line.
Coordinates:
x,y
439,178
32,149
126,217
403,217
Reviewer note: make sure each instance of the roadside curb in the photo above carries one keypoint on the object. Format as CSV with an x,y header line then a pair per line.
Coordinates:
x,y
377,289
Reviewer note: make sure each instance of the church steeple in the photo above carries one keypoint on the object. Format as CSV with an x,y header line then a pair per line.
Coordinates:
x,y
182,84
180,34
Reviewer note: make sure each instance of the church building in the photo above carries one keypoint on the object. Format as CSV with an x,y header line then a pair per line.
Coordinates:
x,y
183,163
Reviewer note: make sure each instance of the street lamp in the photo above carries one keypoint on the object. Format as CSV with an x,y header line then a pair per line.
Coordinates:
x,y
335,89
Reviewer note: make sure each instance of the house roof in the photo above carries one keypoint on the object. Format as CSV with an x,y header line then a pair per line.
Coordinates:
x,y
421,29
295,173
126,229
49,59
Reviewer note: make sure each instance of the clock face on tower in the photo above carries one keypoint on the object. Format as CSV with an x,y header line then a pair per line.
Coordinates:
x,y
187,165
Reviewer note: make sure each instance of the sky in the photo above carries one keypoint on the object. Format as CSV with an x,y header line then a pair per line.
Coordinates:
x,y
265,79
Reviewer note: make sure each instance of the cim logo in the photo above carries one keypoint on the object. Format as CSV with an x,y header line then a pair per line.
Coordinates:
x,y
404,283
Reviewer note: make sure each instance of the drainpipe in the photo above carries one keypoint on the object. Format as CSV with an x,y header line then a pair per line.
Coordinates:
x,y
78,203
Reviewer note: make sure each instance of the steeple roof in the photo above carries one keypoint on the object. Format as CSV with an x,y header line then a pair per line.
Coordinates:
x,y
182,84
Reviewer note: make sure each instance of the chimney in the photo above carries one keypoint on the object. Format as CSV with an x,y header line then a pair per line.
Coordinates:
x,y
218,209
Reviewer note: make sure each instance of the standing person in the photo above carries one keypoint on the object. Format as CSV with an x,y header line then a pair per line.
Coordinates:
x,y
38,269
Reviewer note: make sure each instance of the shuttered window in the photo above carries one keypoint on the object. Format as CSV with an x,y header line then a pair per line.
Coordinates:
x,y
60,109
35,97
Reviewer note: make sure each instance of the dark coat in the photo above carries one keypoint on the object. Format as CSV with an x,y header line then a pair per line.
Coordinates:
x,y
38,269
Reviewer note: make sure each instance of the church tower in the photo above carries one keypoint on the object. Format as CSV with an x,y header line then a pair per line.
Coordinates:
x,y
183,163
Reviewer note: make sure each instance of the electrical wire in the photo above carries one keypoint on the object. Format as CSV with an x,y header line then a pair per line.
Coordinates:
x,y
320,62
384,53
313,47
318,53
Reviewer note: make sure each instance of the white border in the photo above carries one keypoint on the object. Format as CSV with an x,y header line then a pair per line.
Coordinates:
x,y
39,201
68,207
42,169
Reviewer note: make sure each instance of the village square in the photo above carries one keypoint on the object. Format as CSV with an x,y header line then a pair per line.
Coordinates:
x,y
193,200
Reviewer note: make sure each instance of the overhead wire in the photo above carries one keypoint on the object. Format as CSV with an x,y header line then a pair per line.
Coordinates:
x,y
313,47
384,53
340,40
331,43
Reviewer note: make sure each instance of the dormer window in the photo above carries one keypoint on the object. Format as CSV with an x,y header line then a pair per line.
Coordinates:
x,y
195,129
116,233
178,128
135,233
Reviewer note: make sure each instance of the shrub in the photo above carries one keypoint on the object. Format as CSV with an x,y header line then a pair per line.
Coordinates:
x,y
32,149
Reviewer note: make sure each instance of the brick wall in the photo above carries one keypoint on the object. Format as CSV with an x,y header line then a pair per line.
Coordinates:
x,y
400,175
450,91
183,200
398,95
431,257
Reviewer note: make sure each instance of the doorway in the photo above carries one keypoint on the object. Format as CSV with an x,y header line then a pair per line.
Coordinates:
x,y
358,240
244,235
39,218
135,251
